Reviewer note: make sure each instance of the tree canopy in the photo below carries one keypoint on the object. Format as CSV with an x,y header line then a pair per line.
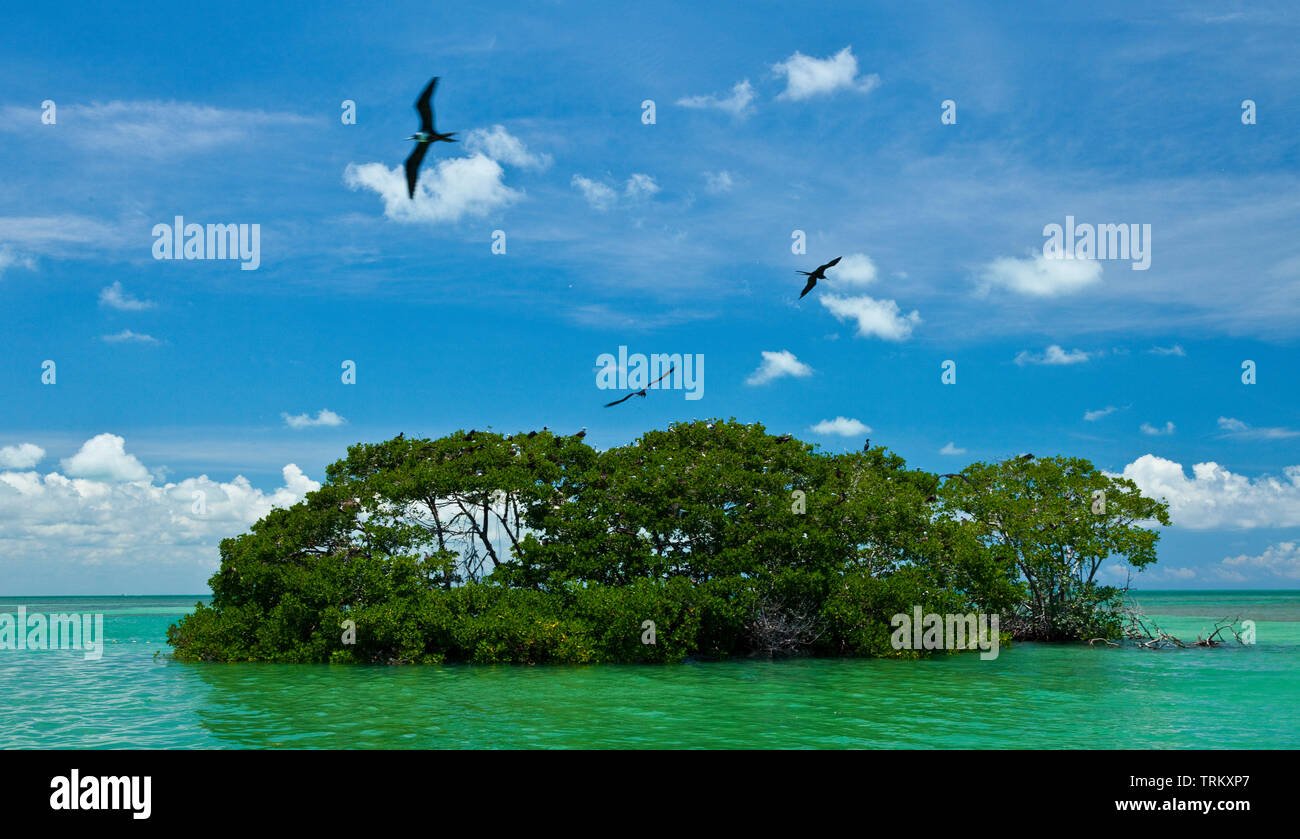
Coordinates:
x,y
704,539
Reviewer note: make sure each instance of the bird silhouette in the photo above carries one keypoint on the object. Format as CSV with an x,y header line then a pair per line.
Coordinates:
x,y
956,475
426,135
1025,457
866,445
814,276
642,391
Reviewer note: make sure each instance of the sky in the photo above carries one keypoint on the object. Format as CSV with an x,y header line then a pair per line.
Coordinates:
x,y
650,173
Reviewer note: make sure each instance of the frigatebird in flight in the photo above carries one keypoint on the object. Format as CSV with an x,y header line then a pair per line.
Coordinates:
x,y
426,135
640,392
814,276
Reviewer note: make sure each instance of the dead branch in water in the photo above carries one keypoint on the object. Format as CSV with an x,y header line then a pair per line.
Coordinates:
x,y
1149,636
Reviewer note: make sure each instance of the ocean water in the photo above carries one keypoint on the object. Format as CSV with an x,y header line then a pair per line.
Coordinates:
x,y
1031,696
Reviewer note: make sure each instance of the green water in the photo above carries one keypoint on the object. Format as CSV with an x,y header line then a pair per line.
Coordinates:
x,y
1031,696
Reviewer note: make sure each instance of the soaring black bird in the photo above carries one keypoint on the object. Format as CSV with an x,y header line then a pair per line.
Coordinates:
x,y
956,475
640,392
426,135
814,276
1025,457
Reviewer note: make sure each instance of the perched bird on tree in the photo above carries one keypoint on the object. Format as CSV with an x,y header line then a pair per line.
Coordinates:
x,y
1025,457
640,392
582,433
866,445
426,135
814,276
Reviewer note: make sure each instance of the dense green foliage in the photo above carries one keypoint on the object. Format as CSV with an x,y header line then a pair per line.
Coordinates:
x,y
537,548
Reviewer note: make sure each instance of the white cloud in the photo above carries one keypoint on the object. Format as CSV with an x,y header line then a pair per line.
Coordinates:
x,y
67,521
9,259
641,186
807,76
598,195
501,145
718,182
103,458
114,297
1217,498
1176,349
1240,430
22,456
1148,428
1039,276
1278,561
778,364
1093,416
126,336
446,192
1053,355
324,417
602,196
879,318
842,426
737,104
149,128
952,449
855,269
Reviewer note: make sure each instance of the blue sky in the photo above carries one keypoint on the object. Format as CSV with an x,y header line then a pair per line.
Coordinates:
x,y
672,237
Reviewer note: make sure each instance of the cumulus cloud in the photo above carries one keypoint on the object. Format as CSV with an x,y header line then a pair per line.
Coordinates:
x,y
737,104
501,145
1241,431
1148,428
843,426
455,188
807,77
1214,497
718,182
126,336
778,364
855,269
114,297
875,318
103,458
1093,416
598,195
1280,561
1052,355
324,417
21,456
602,196
640,186
128,520
1039,276
952,449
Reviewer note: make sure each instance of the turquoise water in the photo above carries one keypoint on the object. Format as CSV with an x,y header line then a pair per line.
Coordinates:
x,y
1031,696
